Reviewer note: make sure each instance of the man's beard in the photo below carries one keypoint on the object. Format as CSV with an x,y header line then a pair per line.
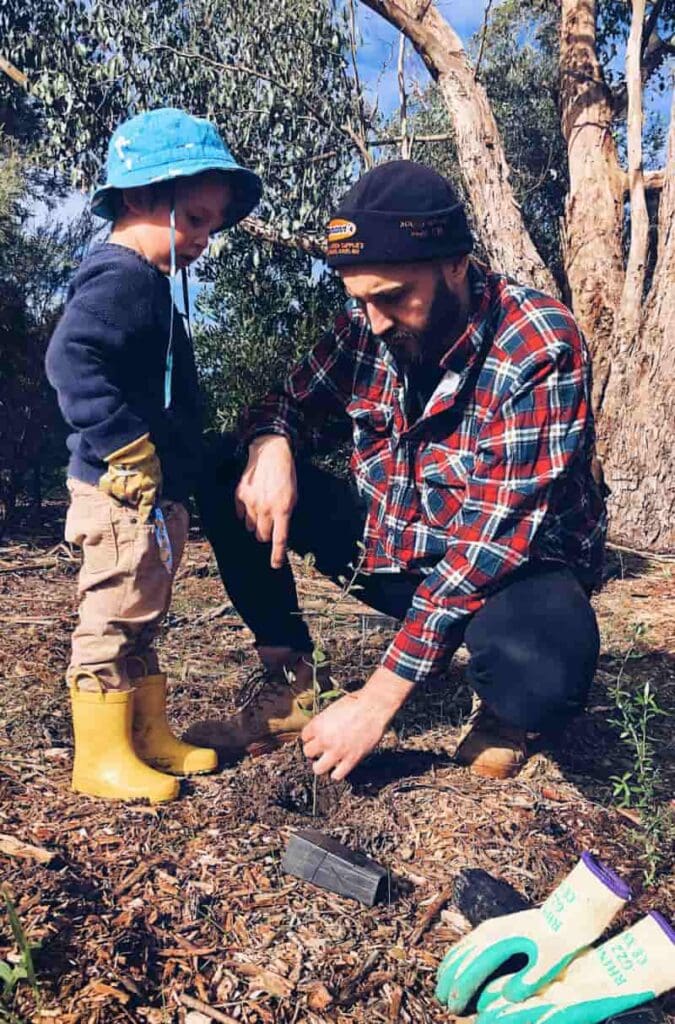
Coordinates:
x,y
429,344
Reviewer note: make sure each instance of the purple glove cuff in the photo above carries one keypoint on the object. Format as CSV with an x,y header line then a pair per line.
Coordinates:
x,y
664,923
607,877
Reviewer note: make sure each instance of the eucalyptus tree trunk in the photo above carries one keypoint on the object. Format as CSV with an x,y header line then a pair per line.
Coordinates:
x,y
593,223
480,152
630,332
637,421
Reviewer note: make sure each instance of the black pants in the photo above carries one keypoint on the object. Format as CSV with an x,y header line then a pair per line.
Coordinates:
x,y
533,645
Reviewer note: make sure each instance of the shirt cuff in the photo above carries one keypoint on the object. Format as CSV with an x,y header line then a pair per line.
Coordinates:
x,y
417,657
429,636
276,427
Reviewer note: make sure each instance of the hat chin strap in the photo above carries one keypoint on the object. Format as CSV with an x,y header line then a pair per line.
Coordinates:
x,y
168,368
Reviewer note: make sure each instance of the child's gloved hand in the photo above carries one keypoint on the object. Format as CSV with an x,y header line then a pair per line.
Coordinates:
x,y
134,476
574,915
628,970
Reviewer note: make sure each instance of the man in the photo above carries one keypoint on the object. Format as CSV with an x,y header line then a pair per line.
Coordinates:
x,y
474,506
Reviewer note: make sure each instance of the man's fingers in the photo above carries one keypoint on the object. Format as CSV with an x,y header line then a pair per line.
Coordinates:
x,y
279,540
342,771
239,507
325,763
312,749
264,526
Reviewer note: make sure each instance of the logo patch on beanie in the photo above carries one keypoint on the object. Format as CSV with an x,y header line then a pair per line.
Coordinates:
x,y
425,227
339,229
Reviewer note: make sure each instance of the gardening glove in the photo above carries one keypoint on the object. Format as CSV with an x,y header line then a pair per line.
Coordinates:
x,y
134,476
573,916
626,971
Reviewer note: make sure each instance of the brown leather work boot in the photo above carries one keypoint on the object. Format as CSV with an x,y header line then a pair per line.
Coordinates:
x,y
490,747
277,704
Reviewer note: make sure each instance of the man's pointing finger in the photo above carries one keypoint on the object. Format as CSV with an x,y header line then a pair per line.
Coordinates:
x,y
279,541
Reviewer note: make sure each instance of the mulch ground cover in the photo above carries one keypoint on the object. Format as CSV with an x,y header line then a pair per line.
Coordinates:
x,y
182,912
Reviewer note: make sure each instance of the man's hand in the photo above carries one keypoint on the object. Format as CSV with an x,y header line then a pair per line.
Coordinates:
x,y
267,493
349,729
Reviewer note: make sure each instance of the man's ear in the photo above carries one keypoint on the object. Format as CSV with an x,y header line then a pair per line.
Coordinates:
x,y
455,269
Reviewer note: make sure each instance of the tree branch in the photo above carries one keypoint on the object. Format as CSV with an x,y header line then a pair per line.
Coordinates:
x,y
396,140
250,72
483,37
654,181
13,72
655,52
259,229
406,141
360,143
650,26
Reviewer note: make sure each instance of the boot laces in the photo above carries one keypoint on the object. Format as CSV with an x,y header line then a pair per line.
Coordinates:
x,y
483,719
263,682
480,717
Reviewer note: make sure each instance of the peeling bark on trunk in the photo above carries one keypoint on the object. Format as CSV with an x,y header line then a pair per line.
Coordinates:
x,y
594,208
637,426
633,286
665,265
480,152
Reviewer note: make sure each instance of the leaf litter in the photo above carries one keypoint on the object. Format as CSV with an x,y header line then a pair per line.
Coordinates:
x,y
181,912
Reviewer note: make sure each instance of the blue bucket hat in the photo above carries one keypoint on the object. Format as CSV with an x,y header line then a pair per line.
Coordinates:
x,y
159,145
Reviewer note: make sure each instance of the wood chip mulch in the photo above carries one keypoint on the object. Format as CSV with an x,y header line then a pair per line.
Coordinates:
x,y
182,913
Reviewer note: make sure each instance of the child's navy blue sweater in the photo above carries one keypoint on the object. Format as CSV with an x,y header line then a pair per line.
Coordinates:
x,y
106,360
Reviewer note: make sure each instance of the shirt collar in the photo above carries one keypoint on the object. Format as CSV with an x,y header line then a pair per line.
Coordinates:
x,y
470,342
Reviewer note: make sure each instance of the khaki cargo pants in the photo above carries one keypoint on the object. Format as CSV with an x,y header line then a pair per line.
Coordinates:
x,y
124,587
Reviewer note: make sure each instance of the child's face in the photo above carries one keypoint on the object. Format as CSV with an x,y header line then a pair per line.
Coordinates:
x,y
201,205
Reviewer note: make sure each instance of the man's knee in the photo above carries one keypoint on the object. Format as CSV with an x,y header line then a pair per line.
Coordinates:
x,y
534,649
534,679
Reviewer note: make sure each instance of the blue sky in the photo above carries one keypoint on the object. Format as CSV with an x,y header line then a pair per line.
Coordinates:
x,y
377,60
379,47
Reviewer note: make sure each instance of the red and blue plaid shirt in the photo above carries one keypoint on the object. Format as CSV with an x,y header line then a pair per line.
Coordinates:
x,y
495,473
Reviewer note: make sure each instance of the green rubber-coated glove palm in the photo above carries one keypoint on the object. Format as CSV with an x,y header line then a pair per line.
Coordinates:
x,y
134,476
574,915
626,971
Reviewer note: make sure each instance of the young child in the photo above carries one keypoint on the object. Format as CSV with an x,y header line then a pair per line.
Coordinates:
x,y
122,364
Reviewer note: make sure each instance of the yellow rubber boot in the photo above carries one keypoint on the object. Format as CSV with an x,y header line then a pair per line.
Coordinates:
x,y
153,740
106,763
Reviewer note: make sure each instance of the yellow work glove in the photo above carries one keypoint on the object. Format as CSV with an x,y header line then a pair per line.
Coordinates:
x,y
547,938
628,970
134,476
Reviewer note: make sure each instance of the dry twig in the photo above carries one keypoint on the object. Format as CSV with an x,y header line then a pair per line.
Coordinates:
x,y
208,1011
430,913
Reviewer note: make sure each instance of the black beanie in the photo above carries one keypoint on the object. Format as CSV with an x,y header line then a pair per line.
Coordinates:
x,y
398,212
